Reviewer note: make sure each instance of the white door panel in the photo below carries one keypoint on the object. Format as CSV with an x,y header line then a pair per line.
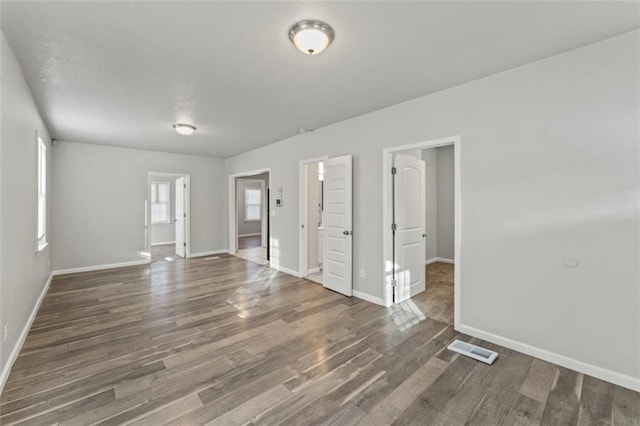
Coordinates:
x,y
337,267
410,225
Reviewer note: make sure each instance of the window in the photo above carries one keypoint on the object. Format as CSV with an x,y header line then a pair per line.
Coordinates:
x,y
42,195
252,204
160,207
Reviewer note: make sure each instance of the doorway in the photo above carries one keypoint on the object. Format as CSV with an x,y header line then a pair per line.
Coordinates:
x,y
326,235
167,218
312,219
249,217
421,240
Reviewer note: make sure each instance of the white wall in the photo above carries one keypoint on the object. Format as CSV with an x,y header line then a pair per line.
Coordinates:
x,y
549,163
98,215
23,272
445,202
165,232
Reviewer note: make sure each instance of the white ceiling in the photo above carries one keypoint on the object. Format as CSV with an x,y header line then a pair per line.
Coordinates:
x,y
122,73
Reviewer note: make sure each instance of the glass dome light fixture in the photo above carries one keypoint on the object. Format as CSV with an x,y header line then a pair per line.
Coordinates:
x,y
311,37
184,129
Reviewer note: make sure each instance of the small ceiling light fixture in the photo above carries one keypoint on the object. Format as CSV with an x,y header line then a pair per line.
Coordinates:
x,y
311,37
184,129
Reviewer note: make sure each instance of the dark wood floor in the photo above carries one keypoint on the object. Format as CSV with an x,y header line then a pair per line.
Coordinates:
x,y
251,241
164,253
437,300
227,341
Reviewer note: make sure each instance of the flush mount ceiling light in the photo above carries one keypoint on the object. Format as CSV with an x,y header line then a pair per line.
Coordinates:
x,y
184,129
311,37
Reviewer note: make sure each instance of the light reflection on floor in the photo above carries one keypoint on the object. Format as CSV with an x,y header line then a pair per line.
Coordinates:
x,y
407,314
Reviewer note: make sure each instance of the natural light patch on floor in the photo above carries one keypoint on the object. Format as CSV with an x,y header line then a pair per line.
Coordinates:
x,y
247,298
406,315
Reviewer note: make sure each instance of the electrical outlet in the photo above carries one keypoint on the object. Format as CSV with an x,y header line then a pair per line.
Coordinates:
x,y
5,335
362,273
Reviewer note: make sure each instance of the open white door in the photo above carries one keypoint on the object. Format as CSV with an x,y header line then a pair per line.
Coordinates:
x,y
181,215
337,271
409,215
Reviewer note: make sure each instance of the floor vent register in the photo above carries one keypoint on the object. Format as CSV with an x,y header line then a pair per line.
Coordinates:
x,y
473,351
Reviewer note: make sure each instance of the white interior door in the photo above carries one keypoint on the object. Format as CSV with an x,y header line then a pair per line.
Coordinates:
x,y
180,217
410,226
337,269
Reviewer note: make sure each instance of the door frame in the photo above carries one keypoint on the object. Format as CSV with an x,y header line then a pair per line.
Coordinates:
x,y
303,236
187,210
387,240
233,208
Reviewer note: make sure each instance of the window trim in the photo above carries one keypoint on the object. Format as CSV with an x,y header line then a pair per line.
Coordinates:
x,y
253,188
41,194
168,203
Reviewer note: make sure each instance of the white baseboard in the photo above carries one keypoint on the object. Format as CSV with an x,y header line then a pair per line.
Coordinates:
x,y
165,243
209,253
313,271
619,379
438,259
286,270
368,298
6,370
99,267
249,235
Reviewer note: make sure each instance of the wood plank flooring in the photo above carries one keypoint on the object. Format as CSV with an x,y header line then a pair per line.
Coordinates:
x,y
164,253
250,248
226,341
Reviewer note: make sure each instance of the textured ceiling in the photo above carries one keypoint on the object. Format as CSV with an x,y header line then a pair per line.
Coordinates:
x,y
122,73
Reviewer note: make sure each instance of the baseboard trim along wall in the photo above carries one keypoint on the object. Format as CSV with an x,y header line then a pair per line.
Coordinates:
x,y
99,267
209,253
368,298
6,370
286,270
438,259
313,271
579,366
164,243
249,235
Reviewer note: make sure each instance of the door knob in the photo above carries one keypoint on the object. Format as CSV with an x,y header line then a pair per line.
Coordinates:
x,y
347,232
424,235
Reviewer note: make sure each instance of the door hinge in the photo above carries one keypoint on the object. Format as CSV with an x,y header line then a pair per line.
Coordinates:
x,y
185,243
185,186
394,170
185,215
394,283
393,227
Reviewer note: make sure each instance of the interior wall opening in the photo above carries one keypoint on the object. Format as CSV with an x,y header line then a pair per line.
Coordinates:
x,y
251,215
167,217
433,290
313,219
421,227
326,221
